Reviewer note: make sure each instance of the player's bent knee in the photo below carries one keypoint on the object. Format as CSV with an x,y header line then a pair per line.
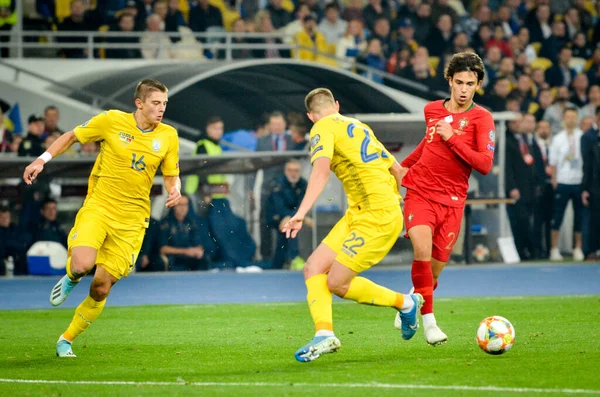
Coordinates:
x,y
337,288
100,290
83,260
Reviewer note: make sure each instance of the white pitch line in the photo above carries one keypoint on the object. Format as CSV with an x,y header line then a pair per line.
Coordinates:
x,y
312,385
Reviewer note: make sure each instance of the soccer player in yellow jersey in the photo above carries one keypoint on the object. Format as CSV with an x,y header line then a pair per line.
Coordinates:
x,y
365,234
110,226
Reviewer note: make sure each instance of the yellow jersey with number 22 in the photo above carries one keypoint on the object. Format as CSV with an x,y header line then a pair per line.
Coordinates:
x,y
358,159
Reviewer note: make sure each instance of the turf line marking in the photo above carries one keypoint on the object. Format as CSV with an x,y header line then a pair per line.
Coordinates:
x,y
323,385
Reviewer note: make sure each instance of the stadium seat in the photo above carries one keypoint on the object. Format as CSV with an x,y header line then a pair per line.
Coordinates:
x,y
537,47
541,63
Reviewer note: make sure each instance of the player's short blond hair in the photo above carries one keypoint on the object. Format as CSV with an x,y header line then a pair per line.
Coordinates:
x,y
318,99
146,87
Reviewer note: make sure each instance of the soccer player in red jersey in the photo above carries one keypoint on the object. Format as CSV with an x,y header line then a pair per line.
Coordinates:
x,y
460,137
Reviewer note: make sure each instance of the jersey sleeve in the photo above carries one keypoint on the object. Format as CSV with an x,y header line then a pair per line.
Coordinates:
x,y
93,130
170,164
321,142
482,158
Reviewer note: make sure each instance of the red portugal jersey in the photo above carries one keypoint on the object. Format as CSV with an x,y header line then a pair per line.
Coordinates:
x,y
440,170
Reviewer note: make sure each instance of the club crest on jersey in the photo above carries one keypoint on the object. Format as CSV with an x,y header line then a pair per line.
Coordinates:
x,y
155,145
315,139
492,135
125,137
463,123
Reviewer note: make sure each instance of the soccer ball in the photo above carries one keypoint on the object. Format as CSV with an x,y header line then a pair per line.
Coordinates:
x,y
495,335
481,253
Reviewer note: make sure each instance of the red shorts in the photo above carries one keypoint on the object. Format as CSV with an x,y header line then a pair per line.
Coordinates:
x,y
444,222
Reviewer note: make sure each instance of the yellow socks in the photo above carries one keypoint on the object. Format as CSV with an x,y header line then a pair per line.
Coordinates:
x,y
365,291
319,302
85,314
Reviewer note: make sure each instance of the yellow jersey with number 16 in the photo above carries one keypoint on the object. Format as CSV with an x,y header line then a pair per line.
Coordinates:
x,y
122,177
358,159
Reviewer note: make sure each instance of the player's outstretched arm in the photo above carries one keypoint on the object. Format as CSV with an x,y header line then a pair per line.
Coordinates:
x,y
173,186
414,156
61,145
319,176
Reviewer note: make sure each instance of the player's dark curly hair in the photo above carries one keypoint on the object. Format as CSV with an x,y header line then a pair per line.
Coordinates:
x,y
465,62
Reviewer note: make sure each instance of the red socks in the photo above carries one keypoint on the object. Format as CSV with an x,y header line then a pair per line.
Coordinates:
x,y
422,279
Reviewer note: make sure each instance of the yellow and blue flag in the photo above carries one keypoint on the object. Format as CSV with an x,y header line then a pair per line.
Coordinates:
x,y
12,121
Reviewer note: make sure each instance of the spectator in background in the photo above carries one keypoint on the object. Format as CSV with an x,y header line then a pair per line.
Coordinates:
x,y
351,44
297,25
523,35
567,174
460,43
561,73
264,25
544,102
332,26
441,7
131,8
373,11
89,149
279,16
13,242
580,88
580,47
593,72
406,35
144,10
77,21
298,132
287,193
440,38
312,45
554,114
498,39
492,65
149,258
374,58
228,231
126,24
180,239
173,18
6,136
48,229
8,18
33,144
590,196
481,38
539,25
158,44
419,69
203,16
572,23
497,100
521,184
51,120
354,10
276,141
423,23
382,32
589,110
239,29
525,90
408,10
505,20
542,224
481,16
553,44
539,79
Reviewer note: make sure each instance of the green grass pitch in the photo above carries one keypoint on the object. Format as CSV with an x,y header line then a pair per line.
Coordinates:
x,y
247,350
